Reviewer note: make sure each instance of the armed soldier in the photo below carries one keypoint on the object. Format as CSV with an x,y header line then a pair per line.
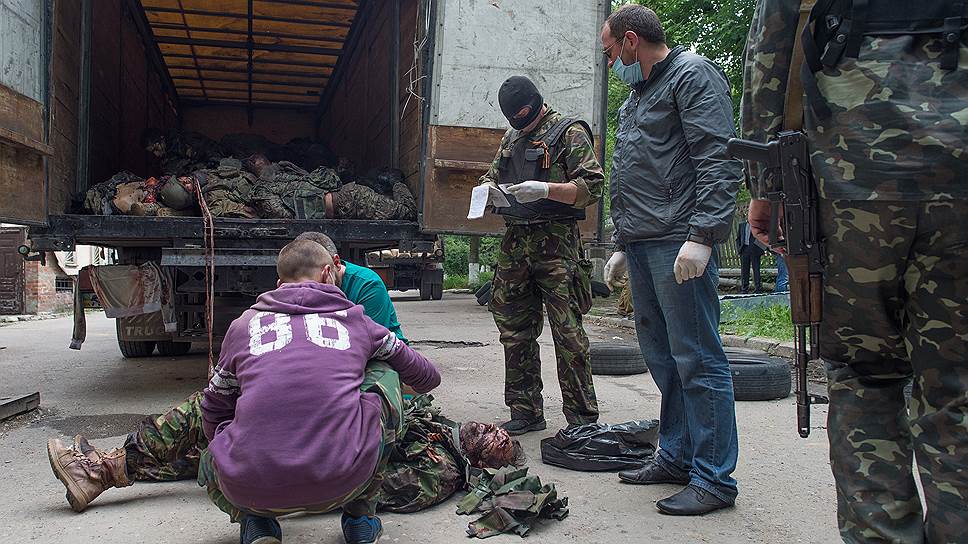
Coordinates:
x,y
886,90
549,162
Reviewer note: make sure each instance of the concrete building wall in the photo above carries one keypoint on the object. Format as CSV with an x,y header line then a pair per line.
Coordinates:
x,y
43,292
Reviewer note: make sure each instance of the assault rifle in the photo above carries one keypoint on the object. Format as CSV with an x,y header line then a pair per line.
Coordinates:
x,y
796,198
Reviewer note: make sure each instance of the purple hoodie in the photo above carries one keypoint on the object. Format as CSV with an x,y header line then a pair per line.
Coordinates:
x,y
287,423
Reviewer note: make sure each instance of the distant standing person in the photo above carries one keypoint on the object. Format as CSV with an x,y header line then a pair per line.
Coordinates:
x,y
673,191
750,255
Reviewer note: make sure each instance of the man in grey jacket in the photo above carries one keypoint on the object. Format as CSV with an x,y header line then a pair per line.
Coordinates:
x,y
673,191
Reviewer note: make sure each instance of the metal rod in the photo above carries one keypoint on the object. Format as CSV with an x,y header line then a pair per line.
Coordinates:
x,y
84,104
256,60
258,91
326,5
254,82
258,105
232,15
319,78
278,47
264,34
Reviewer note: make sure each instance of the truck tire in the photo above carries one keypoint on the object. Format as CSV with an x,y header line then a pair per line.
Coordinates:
x,y
484,294
757,376
426,291
611,359
437,291
173,349
134,348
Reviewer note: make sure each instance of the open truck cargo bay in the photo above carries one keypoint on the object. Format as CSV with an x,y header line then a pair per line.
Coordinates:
x,y
410,84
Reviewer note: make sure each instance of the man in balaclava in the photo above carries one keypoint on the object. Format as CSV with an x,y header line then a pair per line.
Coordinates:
x,y
547,168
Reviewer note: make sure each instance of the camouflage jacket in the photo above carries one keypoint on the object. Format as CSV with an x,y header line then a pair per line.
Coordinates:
x,y
576,162
898,124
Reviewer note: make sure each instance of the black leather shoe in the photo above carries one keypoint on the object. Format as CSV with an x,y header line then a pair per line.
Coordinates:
x,y
691,501
517,427
652,473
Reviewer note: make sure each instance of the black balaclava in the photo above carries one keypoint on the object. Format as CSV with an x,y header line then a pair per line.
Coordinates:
x,y
516,93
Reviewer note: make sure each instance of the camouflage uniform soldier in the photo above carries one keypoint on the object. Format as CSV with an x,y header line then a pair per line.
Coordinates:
x,y
886,118
551,162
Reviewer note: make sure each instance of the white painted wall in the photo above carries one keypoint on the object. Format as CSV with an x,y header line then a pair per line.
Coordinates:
x,y
21,32
480,43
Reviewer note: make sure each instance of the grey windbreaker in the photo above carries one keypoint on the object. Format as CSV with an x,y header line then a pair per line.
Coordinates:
x,y
671,177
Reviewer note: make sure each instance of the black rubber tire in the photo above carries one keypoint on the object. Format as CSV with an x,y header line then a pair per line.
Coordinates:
x,y
484,294
612,359
133,349
425,291
758,376
173,349
437,291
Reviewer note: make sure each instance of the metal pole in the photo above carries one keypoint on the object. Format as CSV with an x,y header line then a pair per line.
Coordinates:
x,y
84,100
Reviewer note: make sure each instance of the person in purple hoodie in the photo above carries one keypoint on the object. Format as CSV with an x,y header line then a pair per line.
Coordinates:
x,y
304,404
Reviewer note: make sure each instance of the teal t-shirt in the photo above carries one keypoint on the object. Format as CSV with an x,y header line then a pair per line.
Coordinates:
x,y
365,287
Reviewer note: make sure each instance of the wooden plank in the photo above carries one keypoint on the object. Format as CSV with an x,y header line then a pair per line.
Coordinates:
x,y
22,184
466,143
18,404
481,167
21,115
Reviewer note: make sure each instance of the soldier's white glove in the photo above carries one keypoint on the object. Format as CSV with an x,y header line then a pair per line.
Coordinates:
x,y
691,261
529,191
615,267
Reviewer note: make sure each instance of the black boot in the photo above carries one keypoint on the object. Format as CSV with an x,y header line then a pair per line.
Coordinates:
x,y
652,473
691,501
258,530
518,426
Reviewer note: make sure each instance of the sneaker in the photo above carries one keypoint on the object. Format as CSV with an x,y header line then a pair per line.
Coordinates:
x,y
258,530
361,530
517,427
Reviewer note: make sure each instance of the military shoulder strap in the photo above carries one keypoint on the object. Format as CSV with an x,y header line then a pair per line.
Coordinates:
x,y
793,102
553,136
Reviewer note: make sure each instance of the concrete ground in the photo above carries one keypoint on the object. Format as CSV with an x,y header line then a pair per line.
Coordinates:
x,y
786,489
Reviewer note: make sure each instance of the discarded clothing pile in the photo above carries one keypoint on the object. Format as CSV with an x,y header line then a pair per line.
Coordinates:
x,y
601,447
511,502
248,176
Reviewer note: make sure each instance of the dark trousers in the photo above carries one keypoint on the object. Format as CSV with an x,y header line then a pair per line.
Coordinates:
x,y
749,260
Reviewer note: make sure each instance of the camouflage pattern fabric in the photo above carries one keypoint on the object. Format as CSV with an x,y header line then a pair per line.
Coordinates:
x,y
511,502
166,448
427,466
379,378
98,200
540,264
355,201
906,266
286,191
186,152
894,112
576,162
228,189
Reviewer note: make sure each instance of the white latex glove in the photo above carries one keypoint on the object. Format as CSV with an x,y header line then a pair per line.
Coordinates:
x,y
529,191
691,261
615,267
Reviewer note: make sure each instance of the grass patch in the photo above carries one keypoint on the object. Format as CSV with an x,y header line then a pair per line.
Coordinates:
x,y
765,321
457,281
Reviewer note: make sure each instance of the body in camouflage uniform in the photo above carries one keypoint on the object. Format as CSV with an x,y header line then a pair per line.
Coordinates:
x,y
541,261
893,183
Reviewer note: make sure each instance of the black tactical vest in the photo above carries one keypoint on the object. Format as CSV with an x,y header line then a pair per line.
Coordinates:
x,y
532,160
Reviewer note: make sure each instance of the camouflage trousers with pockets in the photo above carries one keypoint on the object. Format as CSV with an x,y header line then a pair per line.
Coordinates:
x,y
540,264
896,306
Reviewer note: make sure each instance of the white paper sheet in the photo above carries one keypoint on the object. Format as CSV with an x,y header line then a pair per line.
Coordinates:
x,y
480,196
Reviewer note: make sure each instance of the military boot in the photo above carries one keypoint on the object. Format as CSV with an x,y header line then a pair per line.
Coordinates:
x,y
85,470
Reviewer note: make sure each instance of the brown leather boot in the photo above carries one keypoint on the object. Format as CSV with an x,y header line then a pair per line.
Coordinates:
x,y
85,470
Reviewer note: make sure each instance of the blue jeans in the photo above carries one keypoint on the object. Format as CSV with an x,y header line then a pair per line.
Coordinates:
x,y
782,283
678,331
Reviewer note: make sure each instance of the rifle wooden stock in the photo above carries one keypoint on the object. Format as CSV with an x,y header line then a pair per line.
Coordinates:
x,y
806,291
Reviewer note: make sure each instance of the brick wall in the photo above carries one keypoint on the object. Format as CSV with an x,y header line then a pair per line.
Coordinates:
x,y
40,284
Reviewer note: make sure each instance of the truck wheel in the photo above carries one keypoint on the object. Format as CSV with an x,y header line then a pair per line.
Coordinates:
x,y
437,291
426,290
613,359
173,349
135,348
758,376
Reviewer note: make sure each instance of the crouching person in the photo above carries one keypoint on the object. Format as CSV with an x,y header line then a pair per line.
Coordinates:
x,y
305,404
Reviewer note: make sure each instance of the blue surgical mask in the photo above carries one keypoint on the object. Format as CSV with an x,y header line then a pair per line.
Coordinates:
x,y
629,73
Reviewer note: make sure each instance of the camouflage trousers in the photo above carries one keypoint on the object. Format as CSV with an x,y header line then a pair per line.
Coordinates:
x,y
167,447
379,379
540,264
896,306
